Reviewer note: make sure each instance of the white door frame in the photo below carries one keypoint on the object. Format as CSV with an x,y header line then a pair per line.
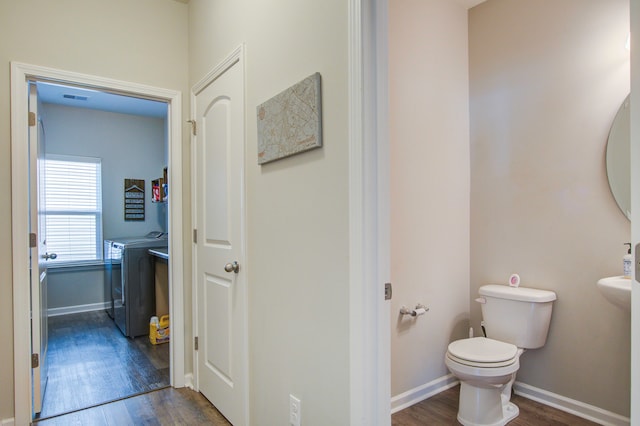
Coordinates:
x,y
20,73
635,209
369,226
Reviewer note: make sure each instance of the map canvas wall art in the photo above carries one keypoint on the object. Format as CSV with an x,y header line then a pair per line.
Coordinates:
x,y
291,121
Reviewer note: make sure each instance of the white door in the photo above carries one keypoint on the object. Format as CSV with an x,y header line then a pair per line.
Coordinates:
x,y
39,255
219,251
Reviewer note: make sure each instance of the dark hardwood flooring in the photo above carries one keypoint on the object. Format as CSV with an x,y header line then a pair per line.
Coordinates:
x,y
442,409
91,362
167,406
171,406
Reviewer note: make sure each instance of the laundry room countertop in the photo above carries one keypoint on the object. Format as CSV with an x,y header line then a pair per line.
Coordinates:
x,y
162,253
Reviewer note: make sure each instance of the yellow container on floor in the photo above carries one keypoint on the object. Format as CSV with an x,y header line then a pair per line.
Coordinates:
x,y
159,330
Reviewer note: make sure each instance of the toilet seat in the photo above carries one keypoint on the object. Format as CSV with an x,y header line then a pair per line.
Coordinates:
x,y
482,352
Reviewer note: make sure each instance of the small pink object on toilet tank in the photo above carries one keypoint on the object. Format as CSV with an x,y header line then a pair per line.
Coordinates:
x,y
514,280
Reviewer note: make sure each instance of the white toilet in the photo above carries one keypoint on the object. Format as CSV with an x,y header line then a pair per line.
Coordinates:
x,y
515,319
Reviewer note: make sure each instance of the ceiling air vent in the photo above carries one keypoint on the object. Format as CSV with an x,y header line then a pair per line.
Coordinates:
x,y
75,97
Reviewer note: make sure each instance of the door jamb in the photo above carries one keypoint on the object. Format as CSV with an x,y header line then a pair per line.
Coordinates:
x,y
20,73
369,226
635,210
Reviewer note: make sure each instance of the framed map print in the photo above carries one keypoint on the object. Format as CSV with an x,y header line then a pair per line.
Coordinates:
x,y
291,121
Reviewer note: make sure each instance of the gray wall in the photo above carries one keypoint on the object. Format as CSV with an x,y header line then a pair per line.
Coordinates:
x,y
546,80
130,146
71,288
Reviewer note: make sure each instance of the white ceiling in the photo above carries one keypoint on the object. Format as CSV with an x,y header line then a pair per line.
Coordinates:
x,y
94,99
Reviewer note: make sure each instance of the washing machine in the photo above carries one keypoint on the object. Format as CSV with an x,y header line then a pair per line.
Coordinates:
x,y
129,271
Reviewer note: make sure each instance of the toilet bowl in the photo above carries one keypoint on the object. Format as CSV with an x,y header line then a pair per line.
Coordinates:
x,y
516,318
486,369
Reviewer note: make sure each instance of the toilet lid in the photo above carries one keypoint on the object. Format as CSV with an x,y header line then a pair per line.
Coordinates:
x,y
483,350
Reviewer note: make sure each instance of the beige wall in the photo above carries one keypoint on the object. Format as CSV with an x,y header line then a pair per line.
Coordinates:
x,y
297,208
546,79
546,82
143,41
429,132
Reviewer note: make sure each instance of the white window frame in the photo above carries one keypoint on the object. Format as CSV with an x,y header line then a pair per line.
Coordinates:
x,y
97,213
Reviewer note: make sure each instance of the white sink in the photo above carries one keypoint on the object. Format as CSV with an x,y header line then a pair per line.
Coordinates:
x,y
616,290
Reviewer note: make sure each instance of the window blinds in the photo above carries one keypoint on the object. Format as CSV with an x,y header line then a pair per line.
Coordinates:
x,y
73,212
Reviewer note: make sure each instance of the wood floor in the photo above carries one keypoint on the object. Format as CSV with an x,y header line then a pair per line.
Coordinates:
x,y
91,362
442,409
171,406
167,406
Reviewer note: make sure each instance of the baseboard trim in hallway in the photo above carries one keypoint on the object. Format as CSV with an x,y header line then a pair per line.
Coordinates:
x,y
422,392
578,408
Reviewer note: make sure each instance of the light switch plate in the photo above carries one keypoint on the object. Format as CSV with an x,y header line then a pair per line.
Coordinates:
x,y
295,411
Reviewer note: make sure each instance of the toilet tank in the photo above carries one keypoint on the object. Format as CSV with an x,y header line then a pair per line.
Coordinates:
x,y
516,315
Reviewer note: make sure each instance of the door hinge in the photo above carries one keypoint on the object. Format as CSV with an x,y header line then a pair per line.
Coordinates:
x,y
195,236
195,343
35,361
32,119
193,126
388,291
33,240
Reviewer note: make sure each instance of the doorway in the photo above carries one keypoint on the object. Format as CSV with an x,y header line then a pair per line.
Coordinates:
x,y
93,142
22,74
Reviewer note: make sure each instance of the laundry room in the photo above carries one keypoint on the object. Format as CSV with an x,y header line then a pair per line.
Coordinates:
x,y
106,196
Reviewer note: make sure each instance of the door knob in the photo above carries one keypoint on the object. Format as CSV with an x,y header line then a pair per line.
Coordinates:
x,y
232,267
48,256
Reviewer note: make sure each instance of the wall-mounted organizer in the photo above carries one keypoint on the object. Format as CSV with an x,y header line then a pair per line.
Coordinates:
x,y
134,199
160,188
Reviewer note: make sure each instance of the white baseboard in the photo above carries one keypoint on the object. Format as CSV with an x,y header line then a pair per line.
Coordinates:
x,y
188,381
577,408
66,310
7,422
422,392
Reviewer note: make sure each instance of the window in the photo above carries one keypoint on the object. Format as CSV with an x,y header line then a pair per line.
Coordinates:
x,y
73,200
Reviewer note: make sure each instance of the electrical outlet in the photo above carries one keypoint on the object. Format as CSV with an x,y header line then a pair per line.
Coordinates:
x,y
295,411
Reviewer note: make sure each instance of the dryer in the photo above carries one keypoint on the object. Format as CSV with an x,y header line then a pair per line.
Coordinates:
x,y
131,280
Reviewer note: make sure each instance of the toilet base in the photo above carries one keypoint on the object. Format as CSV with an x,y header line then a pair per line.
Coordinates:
x,y
511,411
480,406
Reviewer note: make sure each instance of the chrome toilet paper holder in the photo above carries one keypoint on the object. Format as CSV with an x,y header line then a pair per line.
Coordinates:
x,y
420,309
